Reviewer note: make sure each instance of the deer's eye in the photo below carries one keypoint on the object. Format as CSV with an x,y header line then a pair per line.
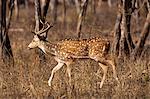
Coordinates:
x,y
34,40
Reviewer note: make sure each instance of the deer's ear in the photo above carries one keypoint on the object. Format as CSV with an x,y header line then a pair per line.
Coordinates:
x,y
41,37
38,36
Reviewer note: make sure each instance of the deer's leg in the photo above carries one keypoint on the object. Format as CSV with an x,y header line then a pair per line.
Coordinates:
x,y
114,69
69,71
105,68
57,67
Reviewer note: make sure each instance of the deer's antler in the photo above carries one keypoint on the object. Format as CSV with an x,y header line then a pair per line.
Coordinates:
x,y
48,26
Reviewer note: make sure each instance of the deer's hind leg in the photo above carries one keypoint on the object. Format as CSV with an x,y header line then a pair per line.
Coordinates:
x,y
104,68
114,70
69,70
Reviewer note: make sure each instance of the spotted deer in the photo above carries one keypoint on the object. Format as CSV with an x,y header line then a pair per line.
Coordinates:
x,y
68,50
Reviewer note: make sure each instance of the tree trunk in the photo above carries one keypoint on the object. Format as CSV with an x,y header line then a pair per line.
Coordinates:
x,y
109,3
93,6
144,34
81,17
137,15
126,43
128,11
7,54
54,9
123,46
64,13
77,4
123,50
43,16
46,5
38,26
16,9
117,32
140,45
37,15
40,14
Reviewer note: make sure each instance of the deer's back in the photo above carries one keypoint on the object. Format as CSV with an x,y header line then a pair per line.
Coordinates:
x,y
82,48
73,48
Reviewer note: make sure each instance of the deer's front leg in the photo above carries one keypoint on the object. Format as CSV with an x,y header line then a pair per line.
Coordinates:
x,y
57,67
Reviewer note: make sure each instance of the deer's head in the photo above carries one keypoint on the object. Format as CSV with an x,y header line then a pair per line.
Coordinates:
x,y
39,38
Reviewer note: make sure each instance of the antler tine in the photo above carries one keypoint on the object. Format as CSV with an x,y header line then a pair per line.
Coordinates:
x,y
48,27
44,30
36,32
41,21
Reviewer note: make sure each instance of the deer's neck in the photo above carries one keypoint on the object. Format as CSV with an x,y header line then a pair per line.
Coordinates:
x,y
50,48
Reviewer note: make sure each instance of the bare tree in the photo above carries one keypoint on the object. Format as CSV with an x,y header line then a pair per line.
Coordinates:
x,y
124,47
54,5
128,12
77,4
117,32
123,44
38,25
144,34
16,6
40,15
7,54
93,4
64,13
81,17
45,9
108,1
136,14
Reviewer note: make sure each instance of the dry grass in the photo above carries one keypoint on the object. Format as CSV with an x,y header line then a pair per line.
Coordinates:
x,y
27,79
